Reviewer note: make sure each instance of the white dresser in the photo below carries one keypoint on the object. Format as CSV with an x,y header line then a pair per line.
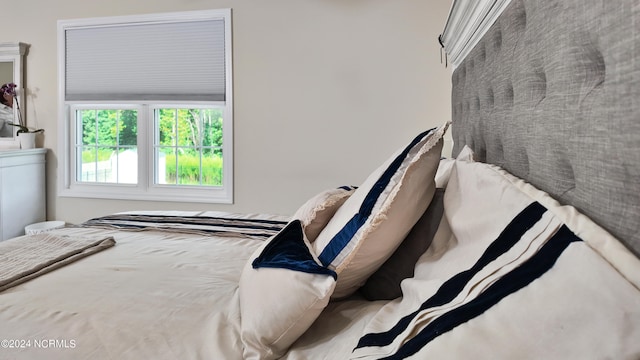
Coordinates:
x,y
22,190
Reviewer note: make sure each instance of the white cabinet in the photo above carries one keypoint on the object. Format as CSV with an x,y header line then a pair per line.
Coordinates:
x,y
22,190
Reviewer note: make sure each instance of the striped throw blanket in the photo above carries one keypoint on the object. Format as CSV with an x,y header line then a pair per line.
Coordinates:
x,y
204,225
26,257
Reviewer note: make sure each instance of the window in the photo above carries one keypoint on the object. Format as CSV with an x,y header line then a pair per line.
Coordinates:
x,y
106,144
147,116
189,146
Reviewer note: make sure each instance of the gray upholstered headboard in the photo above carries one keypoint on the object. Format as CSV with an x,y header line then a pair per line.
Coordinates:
x,y
552,94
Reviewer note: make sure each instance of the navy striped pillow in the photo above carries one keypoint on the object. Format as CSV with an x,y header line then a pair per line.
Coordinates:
x,y
371,224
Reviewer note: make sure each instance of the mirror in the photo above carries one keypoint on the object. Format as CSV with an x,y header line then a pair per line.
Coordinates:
x,y
6,113
11,71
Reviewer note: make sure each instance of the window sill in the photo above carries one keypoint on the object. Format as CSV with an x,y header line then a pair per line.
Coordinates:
x,y
174,194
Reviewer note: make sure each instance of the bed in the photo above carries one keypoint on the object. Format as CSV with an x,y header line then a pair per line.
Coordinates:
x,y
522,244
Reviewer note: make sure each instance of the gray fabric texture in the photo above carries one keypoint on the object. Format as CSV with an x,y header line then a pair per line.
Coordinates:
x,y
552,94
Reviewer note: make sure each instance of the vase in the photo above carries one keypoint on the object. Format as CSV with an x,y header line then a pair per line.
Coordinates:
x,y
27,140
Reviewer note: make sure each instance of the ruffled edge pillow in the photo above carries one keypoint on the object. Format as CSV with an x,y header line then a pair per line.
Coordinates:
x,y
370,225
316,212
283,289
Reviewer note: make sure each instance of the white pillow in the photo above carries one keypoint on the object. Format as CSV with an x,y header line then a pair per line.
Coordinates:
x,y
446,165
316,212
371,224
283,289
508,259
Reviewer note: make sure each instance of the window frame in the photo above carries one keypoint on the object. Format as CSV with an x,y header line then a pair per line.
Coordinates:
x,y
145,189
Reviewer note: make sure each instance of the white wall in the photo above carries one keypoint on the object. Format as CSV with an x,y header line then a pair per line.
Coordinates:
x,y
324,90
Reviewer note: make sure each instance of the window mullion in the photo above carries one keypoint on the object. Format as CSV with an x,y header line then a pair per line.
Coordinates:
x,y
145,153
95,146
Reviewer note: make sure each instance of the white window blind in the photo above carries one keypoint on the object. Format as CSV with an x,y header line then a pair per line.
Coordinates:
x,y
148,60
468,21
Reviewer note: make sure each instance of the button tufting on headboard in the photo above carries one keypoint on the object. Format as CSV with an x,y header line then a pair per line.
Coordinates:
x,y
476,103
508,95
593,69
552,94
482,54
489,98
538,86
520,19
496,41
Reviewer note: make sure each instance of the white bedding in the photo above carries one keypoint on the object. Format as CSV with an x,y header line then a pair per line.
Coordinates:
x,y
154,295
161,294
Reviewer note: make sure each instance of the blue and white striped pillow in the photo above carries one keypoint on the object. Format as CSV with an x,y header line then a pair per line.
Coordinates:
x,y
371,224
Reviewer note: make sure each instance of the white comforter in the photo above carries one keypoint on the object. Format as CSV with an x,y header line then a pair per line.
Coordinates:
x,y
155,295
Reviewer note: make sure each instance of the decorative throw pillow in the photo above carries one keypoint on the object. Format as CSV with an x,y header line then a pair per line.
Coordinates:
x,y
371,224
384,284
283,289
317,211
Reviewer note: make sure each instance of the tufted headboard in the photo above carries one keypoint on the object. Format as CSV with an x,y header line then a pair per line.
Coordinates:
x,y
551,93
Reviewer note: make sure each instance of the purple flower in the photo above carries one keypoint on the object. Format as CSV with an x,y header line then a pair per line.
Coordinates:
x,y
8,89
